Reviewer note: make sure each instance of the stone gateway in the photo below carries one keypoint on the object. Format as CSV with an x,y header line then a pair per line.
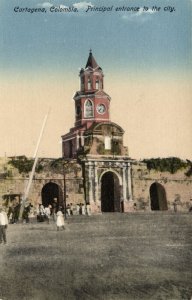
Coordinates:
x,y
97,143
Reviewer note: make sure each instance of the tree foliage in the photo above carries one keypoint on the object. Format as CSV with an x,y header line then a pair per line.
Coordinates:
x,y
170,164
24,164
189,171
63,165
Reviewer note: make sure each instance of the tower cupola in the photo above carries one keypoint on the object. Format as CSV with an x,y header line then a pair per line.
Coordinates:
x,y
91,78
91,102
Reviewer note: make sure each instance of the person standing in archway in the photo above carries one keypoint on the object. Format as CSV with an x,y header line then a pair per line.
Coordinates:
x,y
54,209
68,209
71,209
47,213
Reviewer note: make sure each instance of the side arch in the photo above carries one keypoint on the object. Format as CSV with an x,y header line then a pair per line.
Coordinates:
x,y
158,197
52,193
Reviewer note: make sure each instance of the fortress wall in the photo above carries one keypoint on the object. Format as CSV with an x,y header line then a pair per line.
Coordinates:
x,y
13,182
177,187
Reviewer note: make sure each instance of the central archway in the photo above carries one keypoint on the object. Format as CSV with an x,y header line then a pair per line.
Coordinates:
x,y
110,193
52,192
158,197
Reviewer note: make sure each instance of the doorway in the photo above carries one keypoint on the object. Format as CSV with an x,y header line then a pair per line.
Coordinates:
x,y
158,197
52,192
110,193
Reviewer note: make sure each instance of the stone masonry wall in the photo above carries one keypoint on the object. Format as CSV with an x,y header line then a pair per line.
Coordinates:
x,y
13,183
177,187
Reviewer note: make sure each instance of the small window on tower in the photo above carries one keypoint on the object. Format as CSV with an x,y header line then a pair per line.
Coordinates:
x,y
82,83
78,110
97,83
89,84
88,109
107,143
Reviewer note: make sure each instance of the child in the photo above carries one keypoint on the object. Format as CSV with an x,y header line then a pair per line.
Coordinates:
x,y
60,220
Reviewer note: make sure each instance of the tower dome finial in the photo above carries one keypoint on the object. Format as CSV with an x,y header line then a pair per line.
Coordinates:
x,y
91,62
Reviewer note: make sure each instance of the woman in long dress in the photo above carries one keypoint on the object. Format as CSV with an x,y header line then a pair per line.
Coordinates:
x,y
60,220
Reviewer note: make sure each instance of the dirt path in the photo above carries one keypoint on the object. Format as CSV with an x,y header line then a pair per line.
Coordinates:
x,y
140,256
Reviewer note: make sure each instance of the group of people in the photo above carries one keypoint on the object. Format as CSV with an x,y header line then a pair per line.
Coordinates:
x,y
80,209
14,211
45,213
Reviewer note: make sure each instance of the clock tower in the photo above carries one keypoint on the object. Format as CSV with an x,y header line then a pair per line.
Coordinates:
x,y
92,106
97,144
91,102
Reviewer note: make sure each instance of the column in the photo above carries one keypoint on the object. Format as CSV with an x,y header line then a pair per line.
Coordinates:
x,y
77,142
96,183
82,140
90,172
124,183
129,182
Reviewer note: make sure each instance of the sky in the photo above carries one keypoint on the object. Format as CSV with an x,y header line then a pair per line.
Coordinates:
x,y
145,55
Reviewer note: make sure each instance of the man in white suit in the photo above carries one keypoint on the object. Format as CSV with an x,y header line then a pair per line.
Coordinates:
x,y
3,226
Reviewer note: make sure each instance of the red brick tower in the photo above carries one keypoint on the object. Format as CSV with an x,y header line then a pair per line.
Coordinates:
x,y
98,144
91,102
92,106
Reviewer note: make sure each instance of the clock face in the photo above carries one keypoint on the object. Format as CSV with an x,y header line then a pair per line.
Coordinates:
x,y
101,109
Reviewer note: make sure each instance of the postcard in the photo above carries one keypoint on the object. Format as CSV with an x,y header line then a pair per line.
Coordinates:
x,y
95,118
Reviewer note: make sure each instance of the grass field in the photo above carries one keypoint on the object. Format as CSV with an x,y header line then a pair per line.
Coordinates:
x,y
110,256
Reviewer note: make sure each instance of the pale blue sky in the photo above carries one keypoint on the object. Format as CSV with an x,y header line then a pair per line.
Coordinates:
x,y
146,59
138,42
